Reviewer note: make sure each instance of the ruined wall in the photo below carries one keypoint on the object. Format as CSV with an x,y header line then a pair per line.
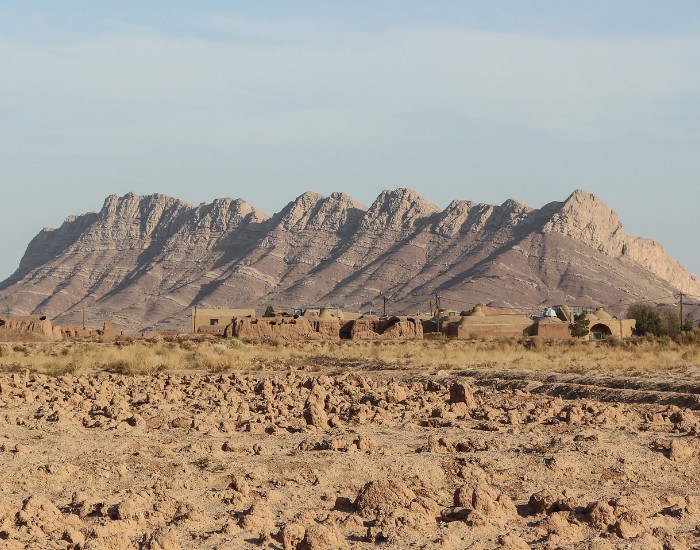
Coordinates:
x,y
34,327
360,329
68,332
108,333
394,328
327,328
401,328
288,328
219,330
31,326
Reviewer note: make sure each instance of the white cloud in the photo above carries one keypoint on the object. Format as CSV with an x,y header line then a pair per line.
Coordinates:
x,y
569,88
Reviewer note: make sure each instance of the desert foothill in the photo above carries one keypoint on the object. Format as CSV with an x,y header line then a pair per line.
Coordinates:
x,y
368,275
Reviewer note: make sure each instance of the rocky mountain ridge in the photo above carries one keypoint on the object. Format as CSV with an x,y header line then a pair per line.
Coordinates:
x,y
144,261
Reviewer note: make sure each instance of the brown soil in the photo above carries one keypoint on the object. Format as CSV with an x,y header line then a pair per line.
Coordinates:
x,y
348,458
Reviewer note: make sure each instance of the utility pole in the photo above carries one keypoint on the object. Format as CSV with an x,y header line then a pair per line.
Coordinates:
x,y
437,308
681,325
83,316
384,306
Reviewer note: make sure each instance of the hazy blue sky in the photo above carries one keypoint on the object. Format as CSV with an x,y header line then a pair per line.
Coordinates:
x,y
265,100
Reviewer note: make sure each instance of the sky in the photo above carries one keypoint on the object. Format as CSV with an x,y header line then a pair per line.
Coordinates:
x,y
265,100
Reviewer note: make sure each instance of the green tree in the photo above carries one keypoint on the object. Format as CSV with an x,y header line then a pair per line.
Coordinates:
x,y
269,312
648,320
579,327
688,324
670,321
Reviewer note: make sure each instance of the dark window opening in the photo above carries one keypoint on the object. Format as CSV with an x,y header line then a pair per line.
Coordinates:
x,y
213,322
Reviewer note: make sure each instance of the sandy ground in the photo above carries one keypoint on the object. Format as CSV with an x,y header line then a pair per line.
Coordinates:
x,y
348,457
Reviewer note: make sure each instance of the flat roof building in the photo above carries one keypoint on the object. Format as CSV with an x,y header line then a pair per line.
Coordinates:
x,y
215,320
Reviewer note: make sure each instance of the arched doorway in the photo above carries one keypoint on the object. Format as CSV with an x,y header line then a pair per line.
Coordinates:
x,y
600,331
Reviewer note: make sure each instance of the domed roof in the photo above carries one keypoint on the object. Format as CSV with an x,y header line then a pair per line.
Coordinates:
x,y
479,310
602,314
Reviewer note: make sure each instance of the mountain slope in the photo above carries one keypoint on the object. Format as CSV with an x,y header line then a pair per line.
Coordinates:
x,y
145,261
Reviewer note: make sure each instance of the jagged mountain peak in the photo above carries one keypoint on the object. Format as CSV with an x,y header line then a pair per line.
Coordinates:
x,y
582,205
459,205
234,206
341,197
454,217
292,214
583,216
398,210
581,196
115,200
513,205
314,211
223,215
403,196
309,196
460,215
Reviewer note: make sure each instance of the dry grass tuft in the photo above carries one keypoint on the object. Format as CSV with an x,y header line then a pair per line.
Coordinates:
x,y
211,354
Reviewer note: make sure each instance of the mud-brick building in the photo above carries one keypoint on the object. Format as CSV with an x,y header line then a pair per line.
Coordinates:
x,y
550,327
214,321
600,323
485,322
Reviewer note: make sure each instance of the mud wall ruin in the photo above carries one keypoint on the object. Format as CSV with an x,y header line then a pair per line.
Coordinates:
x,y
373,328
288,328
36,327
30,326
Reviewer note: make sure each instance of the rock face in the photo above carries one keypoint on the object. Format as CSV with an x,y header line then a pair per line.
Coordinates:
x,y
145,261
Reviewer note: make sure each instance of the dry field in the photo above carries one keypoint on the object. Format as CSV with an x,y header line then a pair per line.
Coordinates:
x,y
203,443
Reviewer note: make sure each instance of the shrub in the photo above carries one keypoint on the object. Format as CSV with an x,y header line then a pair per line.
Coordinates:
x,y
234,343
579,327
691,336
613,342
535,343
648,320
